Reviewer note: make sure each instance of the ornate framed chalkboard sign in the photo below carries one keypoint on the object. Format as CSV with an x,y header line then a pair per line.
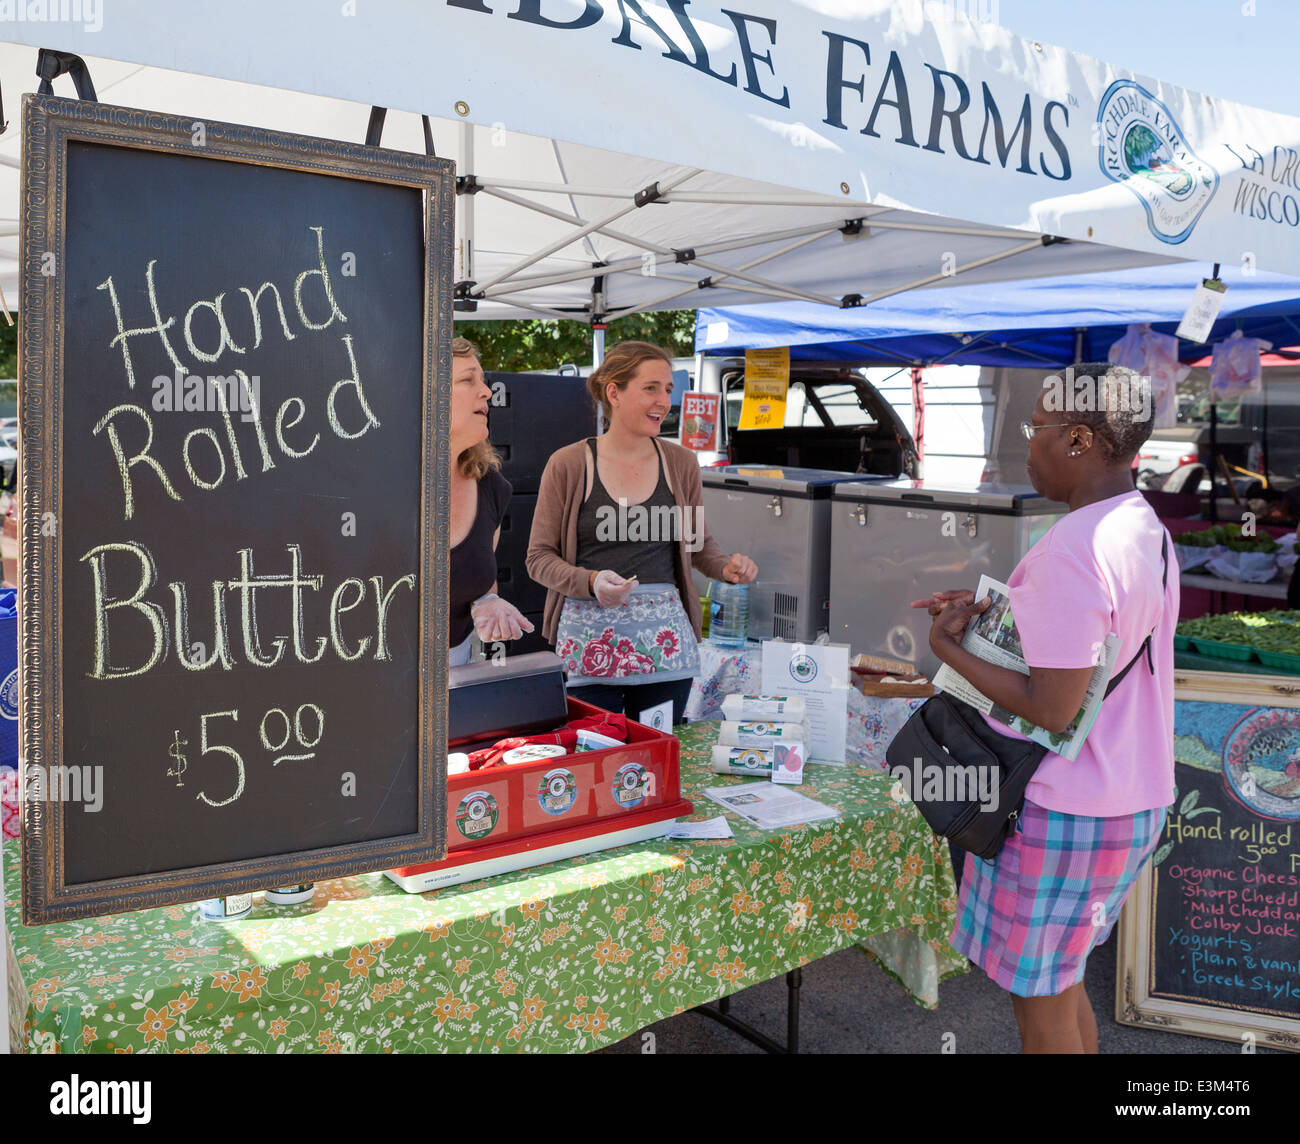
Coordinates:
x,y
235,352
1210,938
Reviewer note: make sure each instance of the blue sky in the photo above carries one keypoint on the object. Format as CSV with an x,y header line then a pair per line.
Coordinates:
x,y
1206,45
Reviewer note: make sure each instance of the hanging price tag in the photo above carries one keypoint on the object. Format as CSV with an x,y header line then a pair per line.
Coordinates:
x,y
1203,311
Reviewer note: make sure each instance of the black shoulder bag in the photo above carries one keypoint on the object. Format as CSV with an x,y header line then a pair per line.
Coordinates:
x,y
948,734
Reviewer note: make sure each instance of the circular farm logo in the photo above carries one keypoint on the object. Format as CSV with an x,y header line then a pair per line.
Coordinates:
x,y
9,696
751,760
631,785
803,668
476,817
558,791
1261,762
1142,147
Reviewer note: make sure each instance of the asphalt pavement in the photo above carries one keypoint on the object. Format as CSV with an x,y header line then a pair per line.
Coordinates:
x,y
849,1005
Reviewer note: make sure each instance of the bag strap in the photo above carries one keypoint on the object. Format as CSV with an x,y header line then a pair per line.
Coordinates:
x,y
1146,643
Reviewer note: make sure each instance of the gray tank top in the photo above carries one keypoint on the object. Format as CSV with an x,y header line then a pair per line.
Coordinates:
x,y
633,540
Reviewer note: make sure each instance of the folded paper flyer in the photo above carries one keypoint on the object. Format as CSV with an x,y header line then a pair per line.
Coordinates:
x,y
992,636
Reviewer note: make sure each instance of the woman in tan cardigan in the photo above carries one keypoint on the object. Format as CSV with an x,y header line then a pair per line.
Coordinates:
x,y
619,523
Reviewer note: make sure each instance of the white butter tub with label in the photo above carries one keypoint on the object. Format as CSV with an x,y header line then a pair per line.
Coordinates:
x,y
758,733
741,761
779,708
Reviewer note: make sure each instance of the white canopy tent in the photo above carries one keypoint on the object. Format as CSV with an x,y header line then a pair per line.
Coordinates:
x,y
618,156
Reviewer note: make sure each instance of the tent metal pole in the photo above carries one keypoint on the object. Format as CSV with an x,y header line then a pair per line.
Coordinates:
x,y
721,198
765,199
582,232
758,261
577,316
1263,433
936,228
507,288
630,266
465,205
554,188
612,314
1214,453
814,230
712,248
1022,248
669,255
721,247
727,272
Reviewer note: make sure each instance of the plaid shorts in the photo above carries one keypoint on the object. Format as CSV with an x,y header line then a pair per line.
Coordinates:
x,y
1030,918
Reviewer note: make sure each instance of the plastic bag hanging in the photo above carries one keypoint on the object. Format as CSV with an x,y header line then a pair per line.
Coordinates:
x,y
1235,367
1155,356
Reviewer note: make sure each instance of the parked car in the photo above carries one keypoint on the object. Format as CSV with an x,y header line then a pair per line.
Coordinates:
x,y
834,419
1165,451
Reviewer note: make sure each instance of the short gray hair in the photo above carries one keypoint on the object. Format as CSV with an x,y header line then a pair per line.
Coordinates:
x,y
1113,401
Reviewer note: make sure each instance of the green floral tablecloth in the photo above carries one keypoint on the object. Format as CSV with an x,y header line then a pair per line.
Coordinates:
x,y
559,958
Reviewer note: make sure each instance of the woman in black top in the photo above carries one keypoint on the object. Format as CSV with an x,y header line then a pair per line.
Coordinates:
x,y
479,496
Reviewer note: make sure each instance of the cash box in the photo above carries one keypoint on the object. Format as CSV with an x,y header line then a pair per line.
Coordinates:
x,y
525,814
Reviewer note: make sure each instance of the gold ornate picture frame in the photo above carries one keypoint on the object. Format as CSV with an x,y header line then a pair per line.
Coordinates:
x,y
59,845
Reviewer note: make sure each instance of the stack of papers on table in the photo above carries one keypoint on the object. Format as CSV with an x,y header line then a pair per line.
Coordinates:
x,y
769,806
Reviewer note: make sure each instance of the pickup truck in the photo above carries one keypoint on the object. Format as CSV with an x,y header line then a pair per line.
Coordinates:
x,y
834,419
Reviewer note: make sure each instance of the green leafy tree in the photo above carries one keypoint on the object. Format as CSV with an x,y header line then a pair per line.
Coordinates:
x,y
541,343
509,346
9,348
8,367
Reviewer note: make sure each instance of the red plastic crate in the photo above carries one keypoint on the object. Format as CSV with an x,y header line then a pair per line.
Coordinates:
x,y
506,818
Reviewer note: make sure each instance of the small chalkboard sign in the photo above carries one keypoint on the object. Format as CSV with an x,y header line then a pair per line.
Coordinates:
x,y
235,352
1210,940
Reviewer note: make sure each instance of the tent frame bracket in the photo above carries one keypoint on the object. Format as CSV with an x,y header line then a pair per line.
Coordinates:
x,y
51,64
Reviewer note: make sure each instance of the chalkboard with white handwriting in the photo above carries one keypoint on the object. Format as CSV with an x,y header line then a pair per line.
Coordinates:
x,y
234,639
1219,951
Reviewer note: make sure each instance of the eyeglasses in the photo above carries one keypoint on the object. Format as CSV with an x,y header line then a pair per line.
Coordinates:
x,y
1028,428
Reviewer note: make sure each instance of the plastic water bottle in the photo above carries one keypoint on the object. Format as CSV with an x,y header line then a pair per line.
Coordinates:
x,y
728,614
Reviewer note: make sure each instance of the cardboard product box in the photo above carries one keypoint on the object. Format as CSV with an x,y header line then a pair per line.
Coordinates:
x,y
526,814
866,669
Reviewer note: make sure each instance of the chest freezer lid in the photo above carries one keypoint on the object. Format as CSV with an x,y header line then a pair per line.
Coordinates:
x,y
789,480
980,496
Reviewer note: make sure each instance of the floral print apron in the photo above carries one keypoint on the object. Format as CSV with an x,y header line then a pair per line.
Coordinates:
x,y
649,634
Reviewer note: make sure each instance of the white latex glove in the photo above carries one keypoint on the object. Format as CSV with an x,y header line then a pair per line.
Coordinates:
x,y
496,619
610,589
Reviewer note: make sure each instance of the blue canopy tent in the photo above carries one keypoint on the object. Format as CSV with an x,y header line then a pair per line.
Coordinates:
x,y
1044,322
1053,321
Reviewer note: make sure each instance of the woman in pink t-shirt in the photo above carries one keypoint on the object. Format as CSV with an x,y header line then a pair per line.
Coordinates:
x,y
1031,917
